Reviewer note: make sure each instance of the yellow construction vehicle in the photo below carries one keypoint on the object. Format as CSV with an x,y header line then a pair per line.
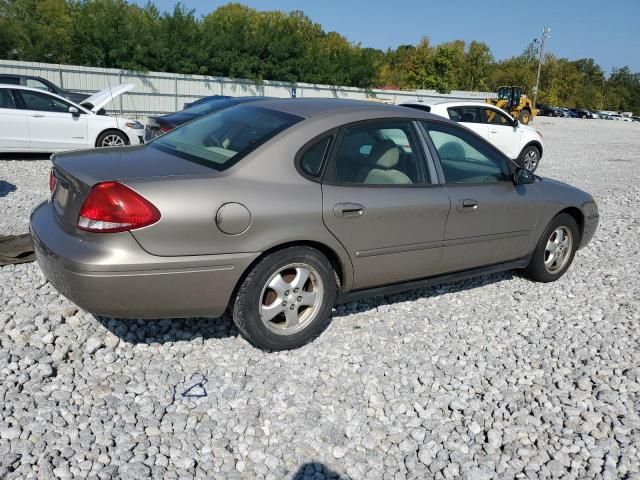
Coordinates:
x,y
516,103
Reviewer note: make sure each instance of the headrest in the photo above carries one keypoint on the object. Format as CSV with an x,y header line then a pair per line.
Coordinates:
x,y
384,154
451,151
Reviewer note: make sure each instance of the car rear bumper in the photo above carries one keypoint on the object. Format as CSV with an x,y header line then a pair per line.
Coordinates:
x,y
111,275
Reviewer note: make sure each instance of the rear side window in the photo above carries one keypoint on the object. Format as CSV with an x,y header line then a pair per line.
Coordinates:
x,y
381,153
222,138
6,99
465,158
311,159
33,83
10,80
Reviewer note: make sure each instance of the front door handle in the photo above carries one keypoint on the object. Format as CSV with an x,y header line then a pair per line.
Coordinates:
x,y
493,131
348,210
37,115
468,205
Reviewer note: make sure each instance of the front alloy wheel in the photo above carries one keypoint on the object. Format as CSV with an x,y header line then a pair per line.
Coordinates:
x,y
555,249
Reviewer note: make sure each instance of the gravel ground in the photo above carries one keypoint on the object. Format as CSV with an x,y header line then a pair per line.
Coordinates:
x,y
496,377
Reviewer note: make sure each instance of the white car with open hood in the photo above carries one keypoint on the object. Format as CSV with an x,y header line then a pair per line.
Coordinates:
x,y
32,120
519,142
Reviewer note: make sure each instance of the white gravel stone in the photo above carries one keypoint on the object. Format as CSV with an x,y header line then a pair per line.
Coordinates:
x,y
495,377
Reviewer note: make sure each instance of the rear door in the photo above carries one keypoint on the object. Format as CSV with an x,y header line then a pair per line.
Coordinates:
x,y
471,117
492,220
14,130
51,126
380,203
502,132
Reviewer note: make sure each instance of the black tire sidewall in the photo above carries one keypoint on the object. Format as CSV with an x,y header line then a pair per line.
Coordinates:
x,y
102,136
536,269
246,313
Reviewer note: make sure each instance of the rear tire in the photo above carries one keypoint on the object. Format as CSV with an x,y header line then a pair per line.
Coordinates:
x,y
112,138
285,299
555,250
529,158
524,117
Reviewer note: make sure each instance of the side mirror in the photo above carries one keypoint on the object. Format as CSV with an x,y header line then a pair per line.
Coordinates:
x,y
515,123
522,176
74,111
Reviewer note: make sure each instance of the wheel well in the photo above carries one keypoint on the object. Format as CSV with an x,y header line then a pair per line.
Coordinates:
x,y
117,130
328,252
578,216
533,143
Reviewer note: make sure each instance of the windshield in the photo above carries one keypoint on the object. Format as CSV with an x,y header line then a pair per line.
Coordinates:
x,y
220,139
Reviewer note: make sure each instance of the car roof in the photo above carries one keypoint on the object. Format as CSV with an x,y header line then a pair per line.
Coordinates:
x,y
448,103
312,107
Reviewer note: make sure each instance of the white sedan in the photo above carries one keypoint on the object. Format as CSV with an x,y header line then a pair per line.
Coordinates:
x,y
521,143
32,120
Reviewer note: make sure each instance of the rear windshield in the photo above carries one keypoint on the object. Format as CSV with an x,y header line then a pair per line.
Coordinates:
x,y
222,138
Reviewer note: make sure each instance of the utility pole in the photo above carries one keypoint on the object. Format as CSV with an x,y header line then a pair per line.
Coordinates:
x,y
546,33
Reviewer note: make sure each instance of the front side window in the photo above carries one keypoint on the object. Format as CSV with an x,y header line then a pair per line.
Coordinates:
x,y
465,158
220,139
33,83
494,117
6,99
43,102
379,154
465,114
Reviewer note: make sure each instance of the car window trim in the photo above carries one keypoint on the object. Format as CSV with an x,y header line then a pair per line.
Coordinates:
x,y
510,163
329,174
37,91
331,134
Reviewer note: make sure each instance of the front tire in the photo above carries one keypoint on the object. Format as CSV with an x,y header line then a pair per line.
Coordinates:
x,y
285,299
555,250
112,138
529,158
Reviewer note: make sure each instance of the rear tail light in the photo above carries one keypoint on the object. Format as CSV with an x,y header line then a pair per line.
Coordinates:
x,y
114,207
165,129
52,181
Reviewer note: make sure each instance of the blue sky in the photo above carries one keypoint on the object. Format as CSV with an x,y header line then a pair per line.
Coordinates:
x,y
608,31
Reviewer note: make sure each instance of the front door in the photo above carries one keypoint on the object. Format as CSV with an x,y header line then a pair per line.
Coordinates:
x,y
51,126
14,131
492,220
379,202
502,133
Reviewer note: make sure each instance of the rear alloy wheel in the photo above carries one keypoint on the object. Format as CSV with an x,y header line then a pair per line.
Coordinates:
x,y
285,299
524,117
555,249
529,158
111,139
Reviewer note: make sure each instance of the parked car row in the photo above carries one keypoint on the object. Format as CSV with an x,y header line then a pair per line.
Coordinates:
x,y
551,111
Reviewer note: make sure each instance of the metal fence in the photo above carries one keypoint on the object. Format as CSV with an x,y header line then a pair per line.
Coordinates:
x,y
157,92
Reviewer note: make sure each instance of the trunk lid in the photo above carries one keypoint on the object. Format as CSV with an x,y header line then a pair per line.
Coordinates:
x,y
76,172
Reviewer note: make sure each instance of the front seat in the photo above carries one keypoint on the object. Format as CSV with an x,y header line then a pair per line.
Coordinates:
x,y
382,160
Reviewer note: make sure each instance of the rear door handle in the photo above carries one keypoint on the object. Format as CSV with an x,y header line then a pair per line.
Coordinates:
x,y
493,131
468,205
348,210
37,115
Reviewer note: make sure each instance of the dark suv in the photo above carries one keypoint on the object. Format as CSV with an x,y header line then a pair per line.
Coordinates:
x,y
43,84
